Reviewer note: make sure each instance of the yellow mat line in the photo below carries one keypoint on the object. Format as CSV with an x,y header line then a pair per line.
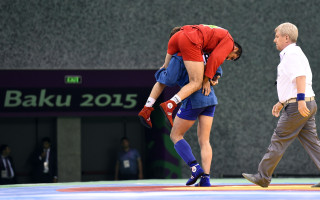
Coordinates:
x,y
246,188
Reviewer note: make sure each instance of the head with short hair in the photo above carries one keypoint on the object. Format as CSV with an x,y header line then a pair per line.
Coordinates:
x,y
124,138
4,150
235,54
46,142
175,30
239,52
285,34
288,29
46,139
125,144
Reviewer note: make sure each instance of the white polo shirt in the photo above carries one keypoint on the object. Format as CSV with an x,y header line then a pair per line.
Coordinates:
x,y
293,63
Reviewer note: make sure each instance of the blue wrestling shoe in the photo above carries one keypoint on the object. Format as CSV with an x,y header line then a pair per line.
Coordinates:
x,y
204,182
196,172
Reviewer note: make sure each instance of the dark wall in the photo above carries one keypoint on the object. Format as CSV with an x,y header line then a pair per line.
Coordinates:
x,y
100,143
127,34
23,136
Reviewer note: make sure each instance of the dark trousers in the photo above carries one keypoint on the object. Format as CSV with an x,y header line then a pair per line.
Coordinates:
x,y
128,176
7,181
43,178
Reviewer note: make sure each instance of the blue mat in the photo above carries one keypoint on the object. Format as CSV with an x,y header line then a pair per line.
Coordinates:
x,y
160,190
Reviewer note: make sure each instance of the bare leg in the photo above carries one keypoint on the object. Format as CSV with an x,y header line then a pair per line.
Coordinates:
x,y
157,90
145,113
204,130
180,127
182,147
195,72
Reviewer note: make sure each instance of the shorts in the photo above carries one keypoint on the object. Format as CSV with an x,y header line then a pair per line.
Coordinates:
x,y
190,51
188,113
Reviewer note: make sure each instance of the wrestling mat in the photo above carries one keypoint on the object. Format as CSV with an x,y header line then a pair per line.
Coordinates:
x,y
165,189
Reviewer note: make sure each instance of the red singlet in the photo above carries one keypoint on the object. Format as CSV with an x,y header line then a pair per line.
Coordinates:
x,y
193,40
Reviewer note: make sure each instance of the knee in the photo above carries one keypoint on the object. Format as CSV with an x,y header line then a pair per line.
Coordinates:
x,y
171,137
175,137
196,84
276,150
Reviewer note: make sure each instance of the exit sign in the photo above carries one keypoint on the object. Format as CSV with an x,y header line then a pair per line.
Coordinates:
x,y
73,79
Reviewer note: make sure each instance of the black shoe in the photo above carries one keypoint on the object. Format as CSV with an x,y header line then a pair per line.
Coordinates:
x,y
253,179
316,185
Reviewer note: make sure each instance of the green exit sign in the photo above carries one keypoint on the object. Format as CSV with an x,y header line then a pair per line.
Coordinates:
x,y
73,79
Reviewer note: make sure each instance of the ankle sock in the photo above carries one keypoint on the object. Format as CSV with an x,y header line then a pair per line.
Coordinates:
x,y
176,99
150,102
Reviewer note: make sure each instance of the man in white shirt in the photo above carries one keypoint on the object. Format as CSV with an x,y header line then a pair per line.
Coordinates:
x,y
294,86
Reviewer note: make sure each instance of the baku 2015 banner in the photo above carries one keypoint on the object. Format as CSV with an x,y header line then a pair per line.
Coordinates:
x,y
73,92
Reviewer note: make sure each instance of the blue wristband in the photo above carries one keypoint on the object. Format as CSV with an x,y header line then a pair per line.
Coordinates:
x,y
300,96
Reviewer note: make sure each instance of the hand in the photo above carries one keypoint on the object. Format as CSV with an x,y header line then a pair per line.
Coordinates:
x,y
43,154
206,88
276,109
303,110
215,80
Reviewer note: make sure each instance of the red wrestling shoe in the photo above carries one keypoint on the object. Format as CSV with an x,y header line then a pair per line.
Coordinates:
x,y
167,108
144,116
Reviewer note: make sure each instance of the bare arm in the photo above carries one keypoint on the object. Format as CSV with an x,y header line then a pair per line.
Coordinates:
x,y
301,88
301,84
167,60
